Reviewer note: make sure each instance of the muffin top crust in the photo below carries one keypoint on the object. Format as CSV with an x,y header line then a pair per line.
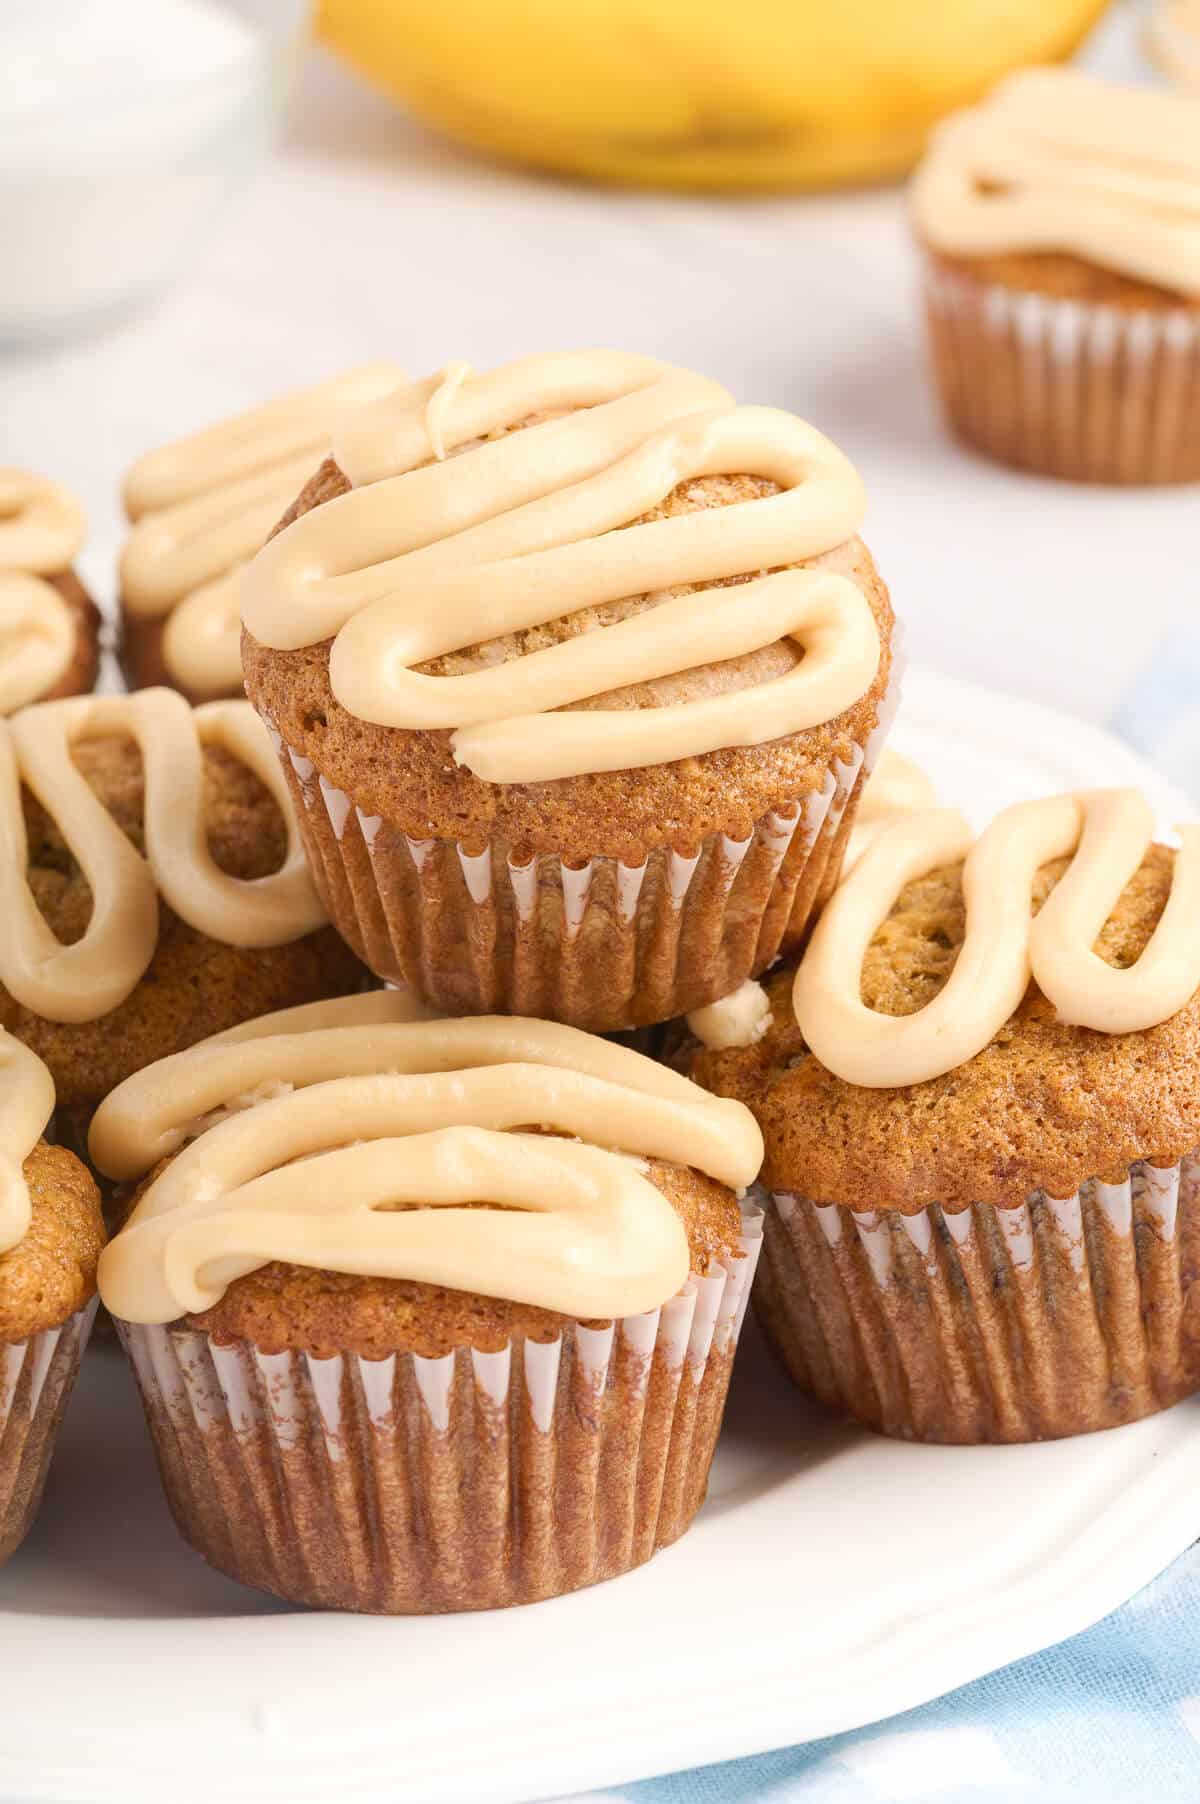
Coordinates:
x,y
351,1176
192,984
1044,1105
1067,184
51,1272
422,778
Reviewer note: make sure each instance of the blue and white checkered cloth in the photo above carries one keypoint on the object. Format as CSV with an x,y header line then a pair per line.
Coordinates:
x,y
1111,1716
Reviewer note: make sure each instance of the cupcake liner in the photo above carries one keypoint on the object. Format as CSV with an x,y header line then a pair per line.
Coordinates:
x,y
409,1485
1076,389
595,943
1054,1317
36,1379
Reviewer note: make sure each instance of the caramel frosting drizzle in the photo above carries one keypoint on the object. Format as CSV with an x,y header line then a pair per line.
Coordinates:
x,y
204,505
41,530
374,1112
26,1105
1106,834
87,979
1057,160
452,537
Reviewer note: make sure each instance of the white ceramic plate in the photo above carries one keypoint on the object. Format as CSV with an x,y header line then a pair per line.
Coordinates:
x,y
832,1578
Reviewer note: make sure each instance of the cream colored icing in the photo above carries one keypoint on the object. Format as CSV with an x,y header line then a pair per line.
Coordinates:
x,y
1105,833
1058,160
738,1019
87,979
41,530
381,1111
896,786
26,1105
426,557
205,504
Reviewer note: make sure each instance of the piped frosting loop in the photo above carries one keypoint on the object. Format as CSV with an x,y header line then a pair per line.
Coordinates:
x,y
203,505
1059,160
41,529
26,1105
433,558
87,979
1106,832
389,1113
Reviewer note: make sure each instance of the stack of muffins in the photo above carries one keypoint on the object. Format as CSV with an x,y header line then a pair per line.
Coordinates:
x,y
565,682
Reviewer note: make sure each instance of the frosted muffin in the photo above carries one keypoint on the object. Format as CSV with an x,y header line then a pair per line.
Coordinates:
x,y
49,624
980,1104
576,670
51,1233
151,887
1060,226
200,507
430,1315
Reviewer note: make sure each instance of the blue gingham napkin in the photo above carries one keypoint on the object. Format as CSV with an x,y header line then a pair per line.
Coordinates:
x,y
1111,1716
1161,713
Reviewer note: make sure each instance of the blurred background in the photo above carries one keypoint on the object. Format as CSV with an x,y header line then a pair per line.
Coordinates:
x,y
203,202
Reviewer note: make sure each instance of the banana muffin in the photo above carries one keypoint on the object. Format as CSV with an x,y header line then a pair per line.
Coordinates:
x,y
577,669
985,1216
484,1276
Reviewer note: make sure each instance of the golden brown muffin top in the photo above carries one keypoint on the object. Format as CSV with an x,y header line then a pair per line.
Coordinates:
x,y
411,779
1066,278
283,1307
194,986
51,1272
1044,1106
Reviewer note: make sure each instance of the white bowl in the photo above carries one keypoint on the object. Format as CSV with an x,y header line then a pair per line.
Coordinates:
x,y
126,129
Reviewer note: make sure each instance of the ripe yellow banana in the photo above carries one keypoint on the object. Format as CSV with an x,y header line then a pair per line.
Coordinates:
x,y
699,93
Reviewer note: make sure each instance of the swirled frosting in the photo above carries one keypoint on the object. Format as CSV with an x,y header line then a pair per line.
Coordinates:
x,y
433,553
41,530
205,504
26,1105
84,980
895,787
1056,160
1105,833
373,1135
1173,39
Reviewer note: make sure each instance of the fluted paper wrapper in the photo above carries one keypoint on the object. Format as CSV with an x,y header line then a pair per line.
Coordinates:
x,y
408,1485
36,1379
592,942
1055,1317
1076,389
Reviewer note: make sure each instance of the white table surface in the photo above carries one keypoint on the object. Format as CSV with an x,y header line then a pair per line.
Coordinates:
x,y
366,237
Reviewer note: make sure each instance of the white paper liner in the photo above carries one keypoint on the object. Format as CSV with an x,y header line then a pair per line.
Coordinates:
x,y
1069,388
1055,1317
479,1479
36,1378
599,944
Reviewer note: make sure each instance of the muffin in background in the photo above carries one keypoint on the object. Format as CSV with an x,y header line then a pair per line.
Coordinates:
x,y
51,624
984,1221
201,506
51,1233
1059,226
410,1356
531,644
126,938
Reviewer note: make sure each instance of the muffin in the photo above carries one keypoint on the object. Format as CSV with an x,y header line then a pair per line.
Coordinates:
x,y
984,1220
200,507
1059,223
151,888
544,761
49,624
430,1315
51,1233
